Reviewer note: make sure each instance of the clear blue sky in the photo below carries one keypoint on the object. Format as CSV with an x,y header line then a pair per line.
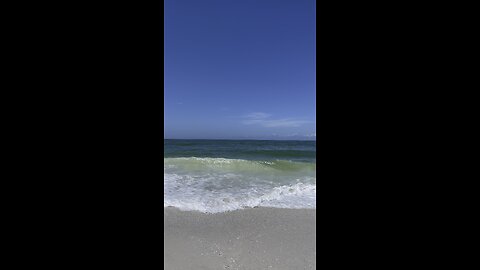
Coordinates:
x,y
240,69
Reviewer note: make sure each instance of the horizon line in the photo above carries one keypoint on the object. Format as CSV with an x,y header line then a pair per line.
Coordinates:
x,y
250,139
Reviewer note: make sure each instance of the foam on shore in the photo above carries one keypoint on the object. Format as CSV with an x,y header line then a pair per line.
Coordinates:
x,y
214,185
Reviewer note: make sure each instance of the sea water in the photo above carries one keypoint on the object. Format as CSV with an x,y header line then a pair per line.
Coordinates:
x,y
214,176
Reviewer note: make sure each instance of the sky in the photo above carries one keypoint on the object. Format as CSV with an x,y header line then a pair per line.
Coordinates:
x,y
239,69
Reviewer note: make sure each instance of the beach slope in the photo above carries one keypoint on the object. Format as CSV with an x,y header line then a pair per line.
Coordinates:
x,y
258,238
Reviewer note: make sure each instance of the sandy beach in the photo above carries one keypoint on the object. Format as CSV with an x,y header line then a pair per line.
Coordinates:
x,y
257,238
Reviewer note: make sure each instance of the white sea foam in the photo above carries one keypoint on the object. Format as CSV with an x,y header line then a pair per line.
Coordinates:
x,y
214,185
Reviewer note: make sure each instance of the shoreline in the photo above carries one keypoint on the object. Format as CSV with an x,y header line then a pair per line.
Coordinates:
x,y
253,238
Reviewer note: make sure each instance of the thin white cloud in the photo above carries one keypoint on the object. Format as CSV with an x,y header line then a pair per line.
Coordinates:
x,y
265,120
258,115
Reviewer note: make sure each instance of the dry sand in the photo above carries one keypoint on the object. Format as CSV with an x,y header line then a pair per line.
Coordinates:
x,y
258,238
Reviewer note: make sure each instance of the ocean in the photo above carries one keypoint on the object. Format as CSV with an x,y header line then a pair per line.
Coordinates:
x,y
213,176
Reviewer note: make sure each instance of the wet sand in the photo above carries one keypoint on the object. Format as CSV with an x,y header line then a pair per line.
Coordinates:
x,y
258,238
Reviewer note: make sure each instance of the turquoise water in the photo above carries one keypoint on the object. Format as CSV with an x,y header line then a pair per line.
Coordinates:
x,y
225,175
246,149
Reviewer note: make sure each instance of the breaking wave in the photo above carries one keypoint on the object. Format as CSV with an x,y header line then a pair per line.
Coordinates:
x,y
214,185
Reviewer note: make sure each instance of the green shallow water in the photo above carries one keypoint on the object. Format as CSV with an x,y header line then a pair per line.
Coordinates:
x,y
276,169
